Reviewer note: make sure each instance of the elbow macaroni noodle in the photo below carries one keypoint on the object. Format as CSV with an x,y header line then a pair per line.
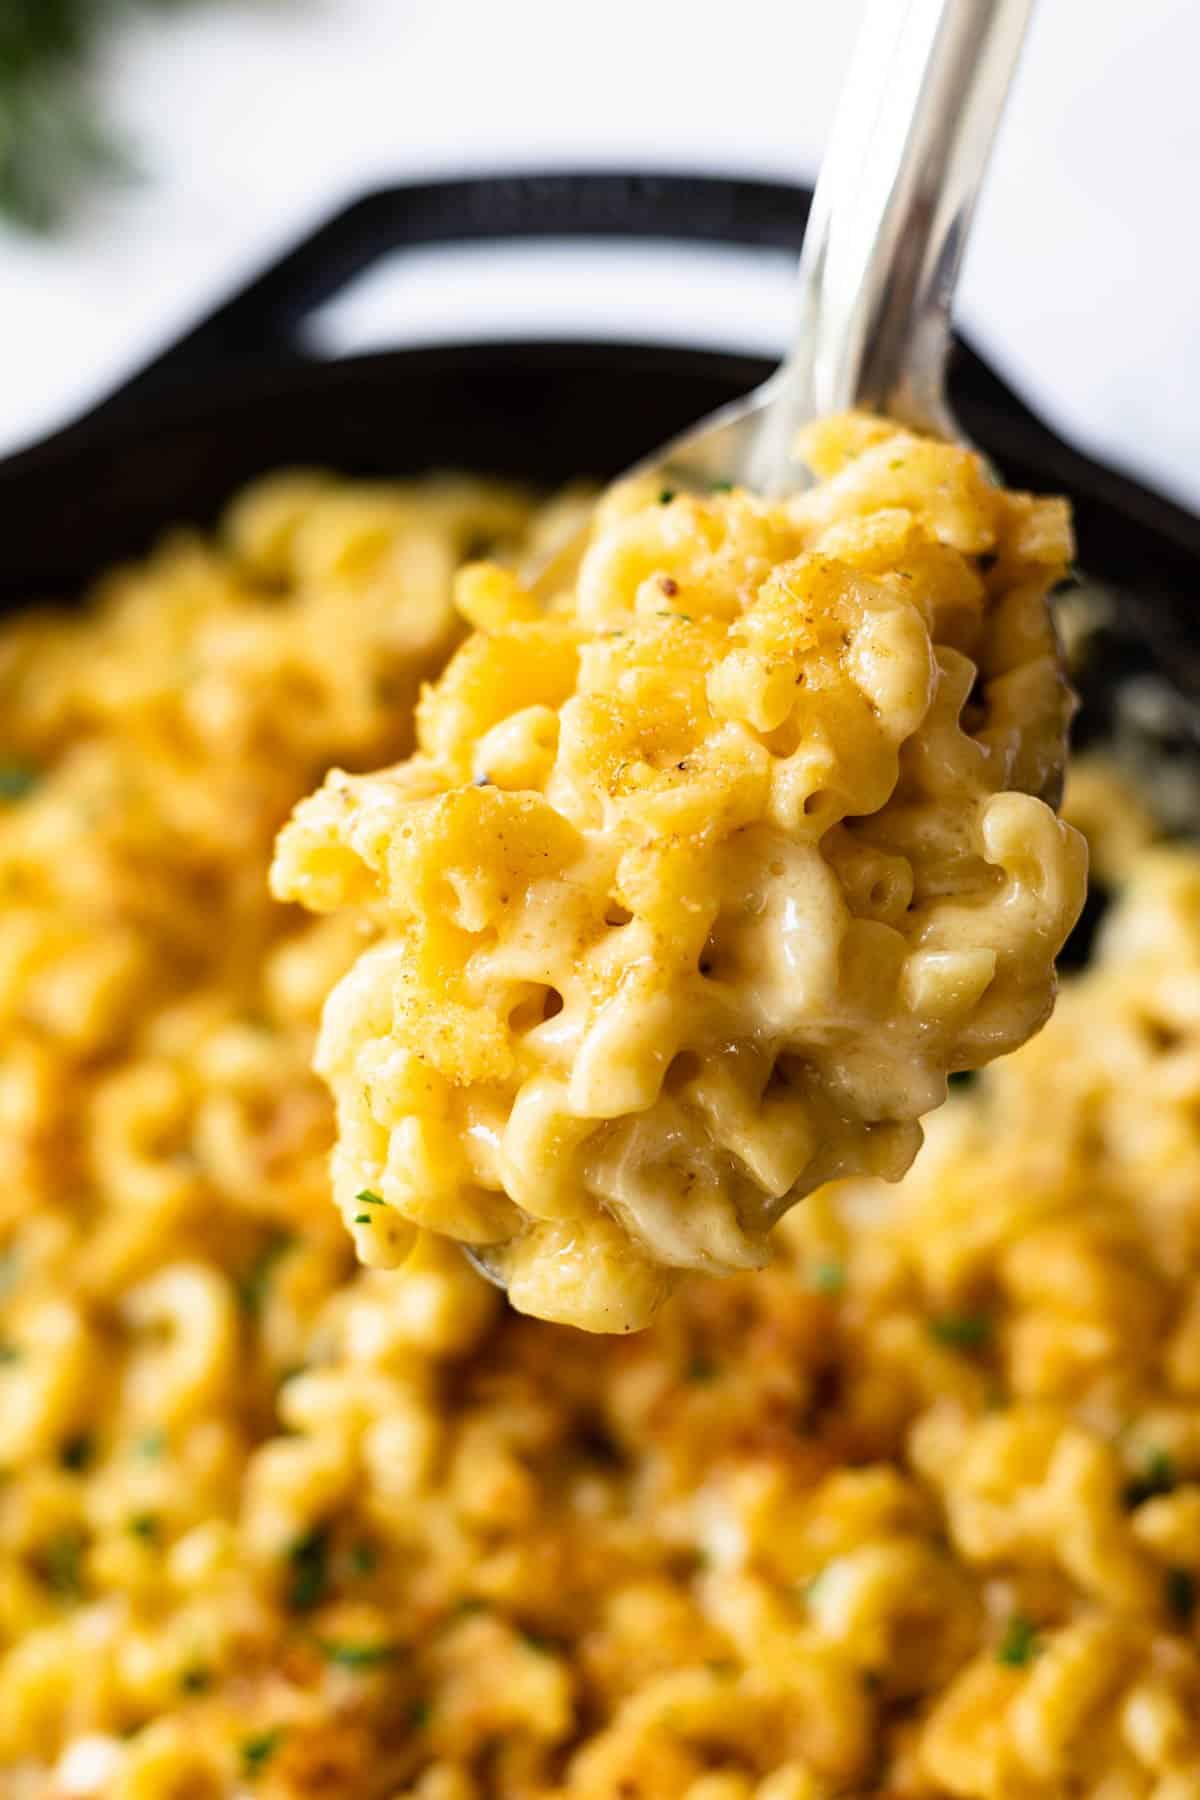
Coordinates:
x,y
914,1512
697,887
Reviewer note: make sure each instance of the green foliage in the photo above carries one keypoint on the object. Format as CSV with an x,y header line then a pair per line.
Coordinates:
x,y
53,140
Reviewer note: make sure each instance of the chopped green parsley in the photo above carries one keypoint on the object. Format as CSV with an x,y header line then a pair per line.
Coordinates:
x,y
962,1331
254,1284
61,1557
16,780
1019,1645
362,1557
827,1277
357,1656
258,1750
308,1563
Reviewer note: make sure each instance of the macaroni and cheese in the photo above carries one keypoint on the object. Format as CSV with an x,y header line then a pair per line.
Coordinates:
x,y
699,885
914,1512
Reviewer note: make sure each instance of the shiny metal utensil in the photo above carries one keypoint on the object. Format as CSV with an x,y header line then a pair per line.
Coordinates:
x,y
907,154
909,147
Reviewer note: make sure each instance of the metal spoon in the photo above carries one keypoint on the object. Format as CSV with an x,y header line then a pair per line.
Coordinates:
x,y
907,154
910,143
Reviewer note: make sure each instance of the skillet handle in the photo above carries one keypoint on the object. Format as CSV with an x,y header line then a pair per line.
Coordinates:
x,y
261,322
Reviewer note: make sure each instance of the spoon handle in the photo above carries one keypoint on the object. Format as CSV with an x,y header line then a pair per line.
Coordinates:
x,y
906,157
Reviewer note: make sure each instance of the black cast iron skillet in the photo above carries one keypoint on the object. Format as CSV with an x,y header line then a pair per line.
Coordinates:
x,y
236,396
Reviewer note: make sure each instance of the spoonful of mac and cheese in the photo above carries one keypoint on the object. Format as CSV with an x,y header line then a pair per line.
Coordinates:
x,y
721,852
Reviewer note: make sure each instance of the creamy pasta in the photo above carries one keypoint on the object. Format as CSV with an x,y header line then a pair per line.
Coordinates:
x,y
699,885
914,1512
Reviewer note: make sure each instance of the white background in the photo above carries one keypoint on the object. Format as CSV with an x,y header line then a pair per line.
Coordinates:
x,y
256,117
